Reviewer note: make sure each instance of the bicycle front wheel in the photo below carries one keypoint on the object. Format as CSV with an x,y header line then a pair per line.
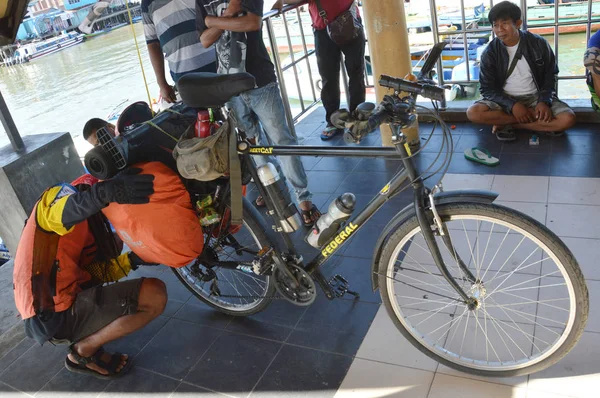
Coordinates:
x,y
532,301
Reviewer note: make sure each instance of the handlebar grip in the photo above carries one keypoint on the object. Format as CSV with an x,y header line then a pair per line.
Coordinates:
x,y
423,89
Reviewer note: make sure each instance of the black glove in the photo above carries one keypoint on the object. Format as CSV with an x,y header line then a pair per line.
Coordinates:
x,y
127,187
136,261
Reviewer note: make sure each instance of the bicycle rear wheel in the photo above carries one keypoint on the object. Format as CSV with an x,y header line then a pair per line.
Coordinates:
x,y
532,298
241,293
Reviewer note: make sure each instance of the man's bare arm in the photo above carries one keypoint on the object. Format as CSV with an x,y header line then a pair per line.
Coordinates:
x,y
210,36
247,23
157,59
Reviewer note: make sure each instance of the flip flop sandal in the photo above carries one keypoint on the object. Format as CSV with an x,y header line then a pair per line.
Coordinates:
x,y
329,133
111,367
505,134
309,214
481,155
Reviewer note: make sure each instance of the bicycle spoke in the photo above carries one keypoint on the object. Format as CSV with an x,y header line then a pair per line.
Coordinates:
x,y
487,342
486,249
495,254
521,283
465,333
469,243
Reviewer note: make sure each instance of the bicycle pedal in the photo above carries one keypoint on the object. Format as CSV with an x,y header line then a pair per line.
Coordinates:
x,y
340,287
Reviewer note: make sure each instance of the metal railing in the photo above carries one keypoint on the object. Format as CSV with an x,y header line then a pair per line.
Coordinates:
x,y
307,98
465,31
271,19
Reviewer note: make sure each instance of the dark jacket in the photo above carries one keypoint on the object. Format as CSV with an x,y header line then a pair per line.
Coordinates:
x,y
494,68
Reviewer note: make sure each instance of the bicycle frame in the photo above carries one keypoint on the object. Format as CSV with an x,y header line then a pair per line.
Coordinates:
x,y
359,220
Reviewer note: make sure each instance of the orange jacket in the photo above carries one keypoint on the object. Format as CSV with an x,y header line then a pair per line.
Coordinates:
x,y
47,271
166,230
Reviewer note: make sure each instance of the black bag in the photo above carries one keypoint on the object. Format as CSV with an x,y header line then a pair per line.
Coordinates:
x,y
345,28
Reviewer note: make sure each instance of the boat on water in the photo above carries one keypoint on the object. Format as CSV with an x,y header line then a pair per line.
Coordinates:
x,y
100,32
55,44
568,12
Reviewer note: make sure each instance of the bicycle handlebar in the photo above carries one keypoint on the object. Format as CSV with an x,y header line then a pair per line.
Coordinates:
x,y
423,89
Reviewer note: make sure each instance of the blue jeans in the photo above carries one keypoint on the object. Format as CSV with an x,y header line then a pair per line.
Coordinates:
x,y
264,107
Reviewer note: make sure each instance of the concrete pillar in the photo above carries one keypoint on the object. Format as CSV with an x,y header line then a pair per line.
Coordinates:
x,y
385,21
47,160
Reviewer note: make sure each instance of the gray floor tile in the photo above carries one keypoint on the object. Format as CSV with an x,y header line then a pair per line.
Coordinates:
x,y
254,327
17,350
187,390
140,383
35,368
301,372
198,312
9,392
68,384
337,326
177,348
233,364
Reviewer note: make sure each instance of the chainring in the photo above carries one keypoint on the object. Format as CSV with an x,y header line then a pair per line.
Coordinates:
x,y
303,295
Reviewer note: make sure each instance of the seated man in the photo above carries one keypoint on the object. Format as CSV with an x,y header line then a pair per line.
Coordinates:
x,y
65,253
518,77
591,61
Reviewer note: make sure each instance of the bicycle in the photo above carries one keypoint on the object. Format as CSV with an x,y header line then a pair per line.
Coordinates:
x,y
438,263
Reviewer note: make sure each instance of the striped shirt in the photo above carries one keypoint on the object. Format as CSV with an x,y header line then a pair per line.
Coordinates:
x,y
172,23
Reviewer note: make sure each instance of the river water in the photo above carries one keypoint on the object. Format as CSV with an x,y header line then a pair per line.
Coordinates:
x,y
60,92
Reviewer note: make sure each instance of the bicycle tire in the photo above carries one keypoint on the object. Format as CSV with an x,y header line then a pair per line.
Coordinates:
x,y
257,227
501,215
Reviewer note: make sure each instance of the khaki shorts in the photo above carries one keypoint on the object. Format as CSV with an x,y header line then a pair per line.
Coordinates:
x,y
529,101
99,306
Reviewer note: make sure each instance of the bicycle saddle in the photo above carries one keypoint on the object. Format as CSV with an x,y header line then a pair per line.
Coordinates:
x,y
211,90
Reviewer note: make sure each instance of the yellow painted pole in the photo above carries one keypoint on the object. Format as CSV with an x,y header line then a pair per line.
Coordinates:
x,y
385,21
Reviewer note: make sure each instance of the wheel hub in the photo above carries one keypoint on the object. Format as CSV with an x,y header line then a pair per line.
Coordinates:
x,y
478,292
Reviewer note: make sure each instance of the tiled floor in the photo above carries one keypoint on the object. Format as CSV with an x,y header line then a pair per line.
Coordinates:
x,y
344,348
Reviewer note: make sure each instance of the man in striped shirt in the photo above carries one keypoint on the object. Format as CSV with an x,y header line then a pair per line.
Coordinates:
x,y
170,30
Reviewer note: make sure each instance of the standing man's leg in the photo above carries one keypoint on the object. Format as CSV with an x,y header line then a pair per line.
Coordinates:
x,y
248,121
328,60
354,59
267,104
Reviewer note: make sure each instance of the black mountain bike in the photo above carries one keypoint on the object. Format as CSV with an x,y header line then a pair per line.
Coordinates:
x,y
476,286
